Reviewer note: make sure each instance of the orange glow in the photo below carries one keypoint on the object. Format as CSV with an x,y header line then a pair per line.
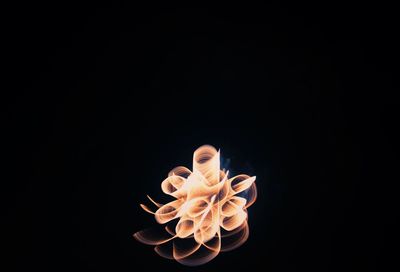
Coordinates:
x,y
208,214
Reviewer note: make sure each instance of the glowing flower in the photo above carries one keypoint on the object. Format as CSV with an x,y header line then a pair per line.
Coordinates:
x,y
208,214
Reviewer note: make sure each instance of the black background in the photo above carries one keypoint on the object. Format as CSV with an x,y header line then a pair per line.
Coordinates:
x,y
106,99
